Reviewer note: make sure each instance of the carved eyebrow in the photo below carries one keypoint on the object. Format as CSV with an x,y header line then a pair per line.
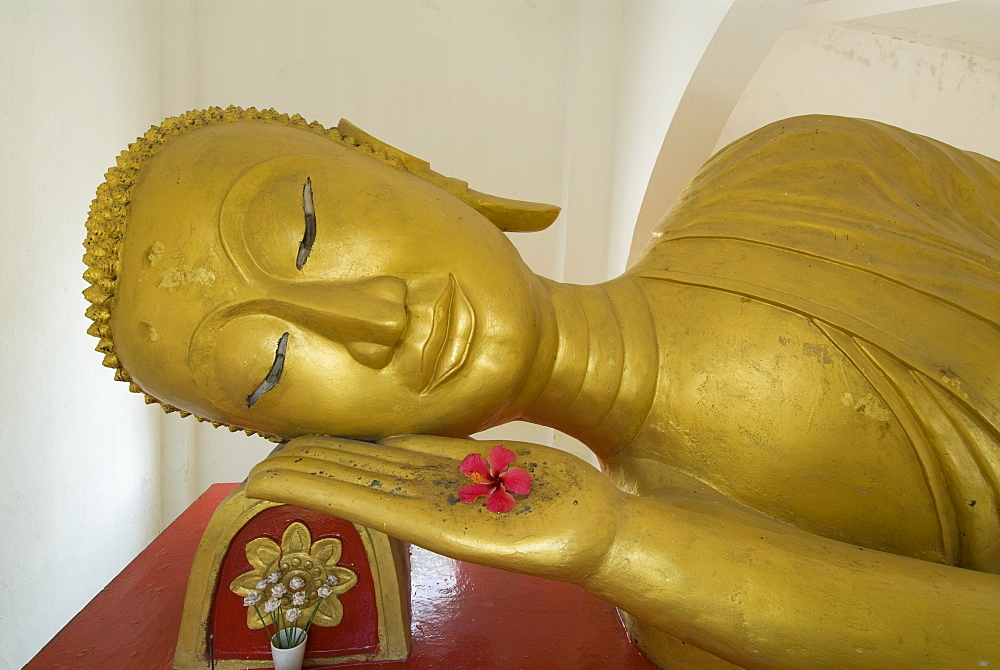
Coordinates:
x,y
309,236
273,375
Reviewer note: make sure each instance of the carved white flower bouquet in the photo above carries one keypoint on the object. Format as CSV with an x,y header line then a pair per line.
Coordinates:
x,y
282,606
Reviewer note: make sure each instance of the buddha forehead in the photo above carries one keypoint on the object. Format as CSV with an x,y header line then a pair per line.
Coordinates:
x,y
180,194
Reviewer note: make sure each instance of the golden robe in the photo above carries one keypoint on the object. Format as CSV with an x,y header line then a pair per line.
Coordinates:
x,y
890,243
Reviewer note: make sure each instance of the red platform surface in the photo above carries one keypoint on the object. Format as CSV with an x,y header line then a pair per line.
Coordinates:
x,y
464,615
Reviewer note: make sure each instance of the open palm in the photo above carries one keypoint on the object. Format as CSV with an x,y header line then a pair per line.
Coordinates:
x,y
409,487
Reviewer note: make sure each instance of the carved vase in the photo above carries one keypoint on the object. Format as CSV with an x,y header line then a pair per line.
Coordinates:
x,y
288,659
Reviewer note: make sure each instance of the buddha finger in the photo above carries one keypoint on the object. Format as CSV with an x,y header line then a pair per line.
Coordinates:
x,y
322,446
375,462
390,511
347,470
368,464
454,448
390,454
435,485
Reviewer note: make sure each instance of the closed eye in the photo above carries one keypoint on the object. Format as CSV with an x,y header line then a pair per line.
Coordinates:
x,y
309,236
273,375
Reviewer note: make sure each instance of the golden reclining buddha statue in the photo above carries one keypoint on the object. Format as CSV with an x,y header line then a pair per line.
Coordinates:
x,y
793,393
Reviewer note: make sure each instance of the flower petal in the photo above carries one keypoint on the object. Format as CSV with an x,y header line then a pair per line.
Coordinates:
x,y
327,551
473,492
517,480
472,465
500,501
330,613
296,539
245,583
253,620
262,552
500,457
346,579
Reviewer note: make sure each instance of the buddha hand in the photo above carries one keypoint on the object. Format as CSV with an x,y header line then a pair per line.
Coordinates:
x,y
409,487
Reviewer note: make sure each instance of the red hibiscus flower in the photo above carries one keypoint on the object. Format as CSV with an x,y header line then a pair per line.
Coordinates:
x,y
494,481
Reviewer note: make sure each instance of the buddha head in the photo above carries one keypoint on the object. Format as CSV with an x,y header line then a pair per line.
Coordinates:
x,y
284,278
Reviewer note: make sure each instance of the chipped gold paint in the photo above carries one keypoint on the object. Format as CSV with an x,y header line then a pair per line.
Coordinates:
x,y
176,277
155,254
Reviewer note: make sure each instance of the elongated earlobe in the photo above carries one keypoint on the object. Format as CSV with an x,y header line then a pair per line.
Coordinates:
x,y
508,215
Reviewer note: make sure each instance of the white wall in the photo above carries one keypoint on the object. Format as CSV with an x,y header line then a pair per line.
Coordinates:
x,y
78,478
664,41
740,39
831,69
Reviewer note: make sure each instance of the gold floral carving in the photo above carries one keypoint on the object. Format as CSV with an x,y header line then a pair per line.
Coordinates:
x,y
298,556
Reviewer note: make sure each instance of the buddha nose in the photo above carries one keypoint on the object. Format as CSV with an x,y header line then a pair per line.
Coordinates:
x,y
366,316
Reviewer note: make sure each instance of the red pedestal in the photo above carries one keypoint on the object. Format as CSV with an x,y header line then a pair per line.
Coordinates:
x,y
357,632
464,615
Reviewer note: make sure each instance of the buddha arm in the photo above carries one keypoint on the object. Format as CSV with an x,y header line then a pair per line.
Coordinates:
x,y
769,595
701,568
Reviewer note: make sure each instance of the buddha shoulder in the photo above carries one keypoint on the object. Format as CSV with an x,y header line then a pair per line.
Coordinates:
x,y
759,403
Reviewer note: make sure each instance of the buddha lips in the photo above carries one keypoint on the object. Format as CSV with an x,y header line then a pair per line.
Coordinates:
x,y
494,480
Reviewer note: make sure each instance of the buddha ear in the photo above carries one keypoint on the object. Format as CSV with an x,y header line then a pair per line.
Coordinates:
x,y
507,215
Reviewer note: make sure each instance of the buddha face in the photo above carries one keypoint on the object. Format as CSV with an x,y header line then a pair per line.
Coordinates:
x,y
407,311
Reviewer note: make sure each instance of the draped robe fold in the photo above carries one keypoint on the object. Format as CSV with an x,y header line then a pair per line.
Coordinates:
x,y
890,243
